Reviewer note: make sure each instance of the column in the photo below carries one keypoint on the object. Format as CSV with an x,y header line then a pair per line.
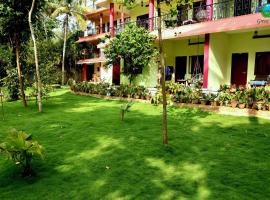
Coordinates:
x,y
206,60
100,23
123,20
84,72
112,19
209,8
151,14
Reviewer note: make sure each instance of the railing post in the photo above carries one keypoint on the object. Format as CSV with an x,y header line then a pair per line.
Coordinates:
x,y
209,8
101,23
123,20
151,14
112,19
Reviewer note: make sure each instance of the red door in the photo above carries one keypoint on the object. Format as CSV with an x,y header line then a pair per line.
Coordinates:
x,y
239,69
116,74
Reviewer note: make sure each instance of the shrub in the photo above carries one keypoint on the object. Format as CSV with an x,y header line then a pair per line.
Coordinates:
x,y
21,149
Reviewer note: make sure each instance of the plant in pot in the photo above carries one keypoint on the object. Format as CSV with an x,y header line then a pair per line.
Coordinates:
x,y
258,98
148,95
194,97
234,101
242,102
130,91
205,99
139,91
213,100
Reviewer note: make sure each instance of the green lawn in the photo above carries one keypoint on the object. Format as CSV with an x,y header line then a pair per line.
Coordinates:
x,y
91,154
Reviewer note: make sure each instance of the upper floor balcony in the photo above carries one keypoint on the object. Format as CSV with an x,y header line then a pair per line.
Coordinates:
x,y
185,15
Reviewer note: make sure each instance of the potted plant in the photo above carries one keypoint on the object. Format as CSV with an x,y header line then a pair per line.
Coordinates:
x,y
242,102
234,101
213,100
194,97
205,99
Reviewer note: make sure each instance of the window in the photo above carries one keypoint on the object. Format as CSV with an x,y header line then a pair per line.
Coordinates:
x,y
262,64
143,21
196,64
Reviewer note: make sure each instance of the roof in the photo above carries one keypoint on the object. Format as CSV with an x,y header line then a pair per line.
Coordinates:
x,y
91,61
91,38
244,22
96,12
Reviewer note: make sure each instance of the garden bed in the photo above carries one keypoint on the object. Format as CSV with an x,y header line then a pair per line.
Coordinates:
x,y
233,101
225,110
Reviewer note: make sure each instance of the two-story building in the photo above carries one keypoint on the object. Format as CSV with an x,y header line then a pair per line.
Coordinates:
x,y
219,41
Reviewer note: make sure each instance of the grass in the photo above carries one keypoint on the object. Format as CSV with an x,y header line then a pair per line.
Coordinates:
x,y
92,154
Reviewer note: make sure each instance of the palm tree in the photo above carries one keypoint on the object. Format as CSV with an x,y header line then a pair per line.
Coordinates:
x,y
39,85
69,9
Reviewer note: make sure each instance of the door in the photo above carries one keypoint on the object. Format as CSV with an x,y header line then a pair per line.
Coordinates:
x,y
90,72
239,69
242,7
116,74
180,68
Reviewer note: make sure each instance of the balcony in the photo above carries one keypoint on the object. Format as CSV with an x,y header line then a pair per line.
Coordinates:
x,y
185,16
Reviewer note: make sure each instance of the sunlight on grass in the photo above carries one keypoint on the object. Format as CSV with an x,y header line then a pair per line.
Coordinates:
x,y
91,154
190,174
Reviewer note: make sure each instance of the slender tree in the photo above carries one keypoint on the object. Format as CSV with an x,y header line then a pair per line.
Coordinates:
x,y
162,69
69,9
14,29
38,79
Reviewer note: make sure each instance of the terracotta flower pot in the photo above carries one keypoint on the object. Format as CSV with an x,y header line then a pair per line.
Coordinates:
x,y
204,102
234,104
195,101
242,105
259,105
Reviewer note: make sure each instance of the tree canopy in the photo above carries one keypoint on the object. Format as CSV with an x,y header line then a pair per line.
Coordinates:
x,y
134,46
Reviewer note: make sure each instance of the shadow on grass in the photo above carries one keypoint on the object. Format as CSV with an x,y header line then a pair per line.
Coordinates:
x,y
91,154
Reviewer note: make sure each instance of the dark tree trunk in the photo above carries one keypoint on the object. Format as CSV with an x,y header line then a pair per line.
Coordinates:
x,y
17,51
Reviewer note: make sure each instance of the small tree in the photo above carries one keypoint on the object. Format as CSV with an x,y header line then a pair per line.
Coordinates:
x,y
21,149
133,49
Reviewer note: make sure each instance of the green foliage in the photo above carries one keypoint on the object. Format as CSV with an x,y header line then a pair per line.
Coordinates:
x,y
103,88
21,149
211,156
11,83
135,47
125,108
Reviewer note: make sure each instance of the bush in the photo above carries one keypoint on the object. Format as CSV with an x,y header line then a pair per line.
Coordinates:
x,y
103,88
11,83
21,149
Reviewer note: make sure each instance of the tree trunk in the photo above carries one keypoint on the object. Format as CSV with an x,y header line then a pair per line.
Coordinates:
x,y
27,165
162,69
17,50
64,48
39,85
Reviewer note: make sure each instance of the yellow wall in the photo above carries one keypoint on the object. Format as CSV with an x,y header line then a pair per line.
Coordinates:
x,y
218,60
174,48
223,45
